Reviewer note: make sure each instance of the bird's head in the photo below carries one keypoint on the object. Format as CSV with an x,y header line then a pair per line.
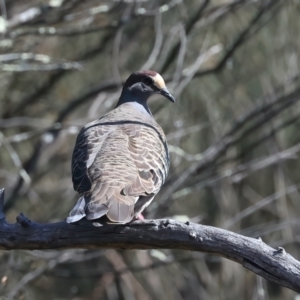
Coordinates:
x,y
144,84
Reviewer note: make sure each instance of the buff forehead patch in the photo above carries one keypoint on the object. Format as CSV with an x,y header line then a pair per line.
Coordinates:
x,y
158,81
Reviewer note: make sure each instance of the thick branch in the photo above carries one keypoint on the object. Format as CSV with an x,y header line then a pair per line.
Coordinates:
x,y
274,265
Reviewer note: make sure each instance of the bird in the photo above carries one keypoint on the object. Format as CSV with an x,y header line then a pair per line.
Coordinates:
x,y
121,160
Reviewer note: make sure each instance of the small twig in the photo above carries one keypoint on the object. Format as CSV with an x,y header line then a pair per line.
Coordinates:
x,y
180,57
45,63
2,195
180,152
260,204
188,27
239,41
98,273
28,278
38,67
15,158
157,44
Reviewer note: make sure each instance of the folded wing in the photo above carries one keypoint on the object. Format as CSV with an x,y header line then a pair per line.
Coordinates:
x,y
115,165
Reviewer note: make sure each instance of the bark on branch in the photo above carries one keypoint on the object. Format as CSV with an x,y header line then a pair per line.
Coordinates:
x,y
274,265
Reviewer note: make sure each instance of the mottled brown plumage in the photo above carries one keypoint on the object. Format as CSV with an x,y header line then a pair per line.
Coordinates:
x,y
121,160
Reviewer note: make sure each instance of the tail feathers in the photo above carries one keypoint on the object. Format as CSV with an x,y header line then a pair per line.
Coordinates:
x,y
78,212
115,210
119,212
95,211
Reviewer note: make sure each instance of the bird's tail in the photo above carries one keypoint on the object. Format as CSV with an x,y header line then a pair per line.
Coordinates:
x,y
78,212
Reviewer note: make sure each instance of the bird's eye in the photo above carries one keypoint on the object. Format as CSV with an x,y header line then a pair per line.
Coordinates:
x,y
148,81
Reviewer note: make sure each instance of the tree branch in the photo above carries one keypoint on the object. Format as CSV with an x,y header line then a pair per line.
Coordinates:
x,y
239,40
274,265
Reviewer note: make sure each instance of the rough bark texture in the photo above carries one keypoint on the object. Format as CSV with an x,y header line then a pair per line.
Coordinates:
x,y
274,265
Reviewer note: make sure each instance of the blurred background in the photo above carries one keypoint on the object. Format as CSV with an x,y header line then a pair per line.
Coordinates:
x,y
233,66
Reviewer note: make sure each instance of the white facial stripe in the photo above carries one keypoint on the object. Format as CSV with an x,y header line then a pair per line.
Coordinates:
x,y
158,81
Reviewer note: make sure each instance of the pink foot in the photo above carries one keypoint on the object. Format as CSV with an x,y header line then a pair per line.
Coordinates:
x,y
140,217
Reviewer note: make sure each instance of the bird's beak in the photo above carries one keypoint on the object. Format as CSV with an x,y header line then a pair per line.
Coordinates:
x,y
164,92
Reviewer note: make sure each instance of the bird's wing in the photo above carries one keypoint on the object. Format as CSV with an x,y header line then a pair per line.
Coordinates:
x,y
88,144
148,149
115,164
111,171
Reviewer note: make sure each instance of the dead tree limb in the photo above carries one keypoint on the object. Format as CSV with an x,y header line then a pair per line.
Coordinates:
x,y
274,265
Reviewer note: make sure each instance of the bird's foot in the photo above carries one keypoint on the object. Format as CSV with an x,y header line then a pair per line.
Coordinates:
x,y
140,217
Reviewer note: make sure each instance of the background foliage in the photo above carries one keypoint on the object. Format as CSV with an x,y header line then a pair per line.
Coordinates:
x,y
233,135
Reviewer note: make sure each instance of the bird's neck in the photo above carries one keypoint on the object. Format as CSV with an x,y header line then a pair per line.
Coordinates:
x,y
129,96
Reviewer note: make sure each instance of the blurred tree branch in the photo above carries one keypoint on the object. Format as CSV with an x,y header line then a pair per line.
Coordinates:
x,y
247,124
240,39
31,98
188,27
23,62
274,265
